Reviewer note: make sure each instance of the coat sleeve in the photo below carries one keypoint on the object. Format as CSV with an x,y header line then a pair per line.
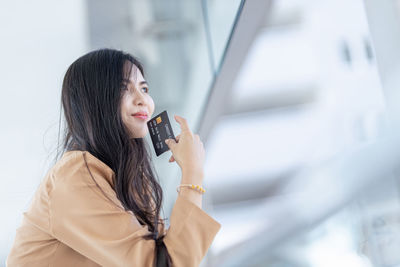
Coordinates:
x,y
85,220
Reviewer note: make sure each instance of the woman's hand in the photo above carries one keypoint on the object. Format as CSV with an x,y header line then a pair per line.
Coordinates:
x,y
188,151
172,159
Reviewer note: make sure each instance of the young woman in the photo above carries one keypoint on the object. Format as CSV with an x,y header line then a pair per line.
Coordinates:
x,y
99,205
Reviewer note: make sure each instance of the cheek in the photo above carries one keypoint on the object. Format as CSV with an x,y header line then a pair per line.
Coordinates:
x,y
124,110
151,104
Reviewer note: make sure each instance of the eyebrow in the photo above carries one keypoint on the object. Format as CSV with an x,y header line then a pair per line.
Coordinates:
x,y
128,81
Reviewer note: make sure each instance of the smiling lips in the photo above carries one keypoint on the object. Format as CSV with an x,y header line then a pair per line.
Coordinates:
x,y
140,115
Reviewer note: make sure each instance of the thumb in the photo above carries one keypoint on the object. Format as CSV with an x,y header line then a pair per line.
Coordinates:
x,y
170,143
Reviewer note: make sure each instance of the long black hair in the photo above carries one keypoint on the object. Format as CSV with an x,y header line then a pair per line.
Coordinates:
x,y
91,95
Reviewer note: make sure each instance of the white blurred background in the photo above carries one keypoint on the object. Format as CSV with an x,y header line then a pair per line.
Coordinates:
x,y
293,99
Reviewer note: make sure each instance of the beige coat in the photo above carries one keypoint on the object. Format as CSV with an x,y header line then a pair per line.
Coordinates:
x,y
71,223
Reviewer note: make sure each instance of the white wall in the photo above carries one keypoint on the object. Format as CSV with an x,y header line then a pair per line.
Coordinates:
x,y
38,41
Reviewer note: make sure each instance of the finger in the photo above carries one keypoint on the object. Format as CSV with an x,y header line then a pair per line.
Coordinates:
x,y
198,139
174,140
171,143
182,122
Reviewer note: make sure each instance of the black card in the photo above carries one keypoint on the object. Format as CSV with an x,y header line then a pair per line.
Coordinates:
x,y
160,129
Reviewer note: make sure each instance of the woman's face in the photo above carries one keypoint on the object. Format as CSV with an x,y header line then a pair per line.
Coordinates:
x,y
135,99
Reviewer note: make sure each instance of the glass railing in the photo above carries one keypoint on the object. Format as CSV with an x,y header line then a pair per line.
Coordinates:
x,y
181,45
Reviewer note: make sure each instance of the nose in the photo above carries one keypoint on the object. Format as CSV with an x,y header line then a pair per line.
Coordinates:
x,y
139,98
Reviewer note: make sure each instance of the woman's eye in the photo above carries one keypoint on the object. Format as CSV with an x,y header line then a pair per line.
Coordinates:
x,y
147,89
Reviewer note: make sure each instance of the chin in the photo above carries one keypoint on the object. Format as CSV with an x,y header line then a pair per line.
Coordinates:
x,y
139,135
138,132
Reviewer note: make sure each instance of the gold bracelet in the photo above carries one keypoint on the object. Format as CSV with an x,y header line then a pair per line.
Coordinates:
x,y
192,186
